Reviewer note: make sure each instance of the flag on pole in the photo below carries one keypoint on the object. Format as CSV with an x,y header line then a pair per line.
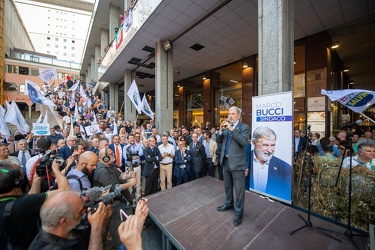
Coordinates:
x,y
357,100
32,90
146,108
7,105
134,96
74,87
82,92
15,117
48,74
115,129
95,121
40,118
3,126
119,36
45,120
76,113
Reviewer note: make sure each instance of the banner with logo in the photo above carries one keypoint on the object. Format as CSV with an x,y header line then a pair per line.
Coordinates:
x,y
146,108
93,129
271,154
134,96
357,100
41,129
48,74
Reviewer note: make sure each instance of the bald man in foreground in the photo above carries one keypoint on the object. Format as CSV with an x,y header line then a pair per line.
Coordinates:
x,y
60,215
79,178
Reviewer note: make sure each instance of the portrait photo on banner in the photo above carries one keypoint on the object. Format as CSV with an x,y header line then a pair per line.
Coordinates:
x,y
271,146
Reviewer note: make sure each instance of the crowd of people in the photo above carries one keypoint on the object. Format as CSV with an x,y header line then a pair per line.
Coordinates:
x,y
46,175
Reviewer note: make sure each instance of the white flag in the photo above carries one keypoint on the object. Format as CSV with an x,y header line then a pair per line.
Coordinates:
x,y
74,87
33,91
40,118
76,113
115,132
48,74
357,100
134,96
3,126
15,117
146,108
7,105
45,120
95,121
82,92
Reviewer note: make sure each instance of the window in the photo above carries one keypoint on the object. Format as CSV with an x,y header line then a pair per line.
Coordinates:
x,y
12,69
64,47
56,39
65,40
22,87
10,86
48,45
73,41
23,70
73,55
48,38
56,46
48,24
73,48
34,72
65,54
48,52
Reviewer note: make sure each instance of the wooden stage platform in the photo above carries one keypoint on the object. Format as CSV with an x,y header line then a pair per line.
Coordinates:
x,y
188,219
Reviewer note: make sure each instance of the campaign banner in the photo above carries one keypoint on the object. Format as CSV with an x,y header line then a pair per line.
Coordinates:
x,y
41,129
271,154
93,129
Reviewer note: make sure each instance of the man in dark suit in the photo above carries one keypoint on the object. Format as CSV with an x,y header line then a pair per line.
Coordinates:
x,y
152,158
198,155
269,174
182,159
94,145
65,152
234,139
300,143
117,148
23,154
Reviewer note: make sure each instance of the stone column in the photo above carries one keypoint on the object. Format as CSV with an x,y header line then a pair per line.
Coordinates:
x,y
103,40
97,55
163,88
113,21
130,113
275,45
94,69
89,77
112,95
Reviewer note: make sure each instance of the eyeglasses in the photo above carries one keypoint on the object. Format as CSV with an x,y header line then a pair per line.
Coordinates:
x,y
182,140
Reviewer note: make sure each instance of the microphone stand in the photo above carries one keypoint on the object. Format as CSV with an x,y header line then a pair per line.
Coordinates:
x,y
348,232
308,223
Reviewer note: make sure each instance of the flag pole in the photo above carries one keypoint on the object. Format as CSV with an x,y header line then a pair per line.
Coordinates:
x,y
368,117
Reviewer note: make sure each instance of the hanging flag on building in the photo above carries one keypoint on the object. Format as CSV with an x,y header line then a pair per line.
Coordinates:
x,y
119,36
32,90
48,74
357,100
134,96
146,108
4,130
15,117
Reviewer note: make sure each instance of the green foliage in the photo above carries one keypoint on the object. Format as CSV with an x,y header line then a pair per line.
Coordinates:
x,y
330,200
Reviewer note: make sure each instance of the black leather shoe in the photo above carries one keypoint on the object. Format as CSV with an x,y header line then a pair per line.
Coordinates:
x,y
237,220
224,207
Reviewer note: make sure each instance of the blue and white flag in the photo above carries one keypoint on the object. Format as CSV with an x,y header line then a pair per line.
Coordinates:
x,y
48,74
74,87
32,90
146,108
134,96
357,100
15,117
3,126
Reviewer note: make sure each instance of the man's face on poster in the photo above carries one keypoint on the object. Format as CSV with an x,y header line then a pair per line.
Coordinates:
x,y
264,149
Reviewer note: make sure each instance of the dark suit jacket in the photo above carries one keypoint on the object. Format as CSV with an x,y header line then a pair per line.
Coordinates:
x,y
301,145
151,160
237,146
198,156
112,147
65,152
92,149
279,182
178,162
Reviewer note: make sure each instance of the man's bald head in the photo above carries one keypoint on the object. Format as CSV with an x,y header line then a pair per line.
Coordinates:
x,y
103,153
87,156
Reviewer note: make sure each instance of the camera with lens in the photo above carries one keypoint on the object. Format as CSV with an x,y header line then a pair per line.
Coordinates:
x,y
95,197
130,154
46,161
79,136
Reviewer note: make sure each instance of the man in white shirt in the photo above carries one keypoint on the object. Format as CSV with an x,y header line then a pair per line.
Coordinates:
x,y
364,160
167,152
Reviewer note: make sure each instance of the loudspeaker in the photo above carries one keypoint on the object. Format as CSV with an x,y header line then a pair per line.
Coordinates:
x,y
106,158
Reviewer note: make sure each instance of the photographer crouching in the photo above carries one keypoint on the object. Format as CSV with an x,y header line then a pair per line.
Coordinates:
x,y
20,222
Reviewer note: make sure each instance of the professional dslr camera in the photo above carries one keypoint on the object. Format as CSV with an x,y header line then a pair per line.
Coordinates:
x,y
46,161
94,196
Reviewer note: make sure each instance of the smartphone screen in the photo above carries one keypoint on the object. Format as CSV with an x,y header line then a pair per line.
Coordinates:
x,y
123,215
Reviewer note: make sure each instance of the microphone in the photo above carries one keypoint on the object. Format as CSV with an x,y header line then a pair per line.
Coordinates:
x,y
94,194
225,126
358,122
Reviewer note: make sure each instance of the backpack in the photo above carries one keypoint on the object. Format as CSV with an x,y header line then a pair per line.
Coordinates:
x,y
5,211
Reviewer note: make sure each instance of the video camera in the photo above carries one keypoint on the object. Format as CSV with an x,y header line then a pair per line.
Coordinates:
x,y
46,161
95,196
130,154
